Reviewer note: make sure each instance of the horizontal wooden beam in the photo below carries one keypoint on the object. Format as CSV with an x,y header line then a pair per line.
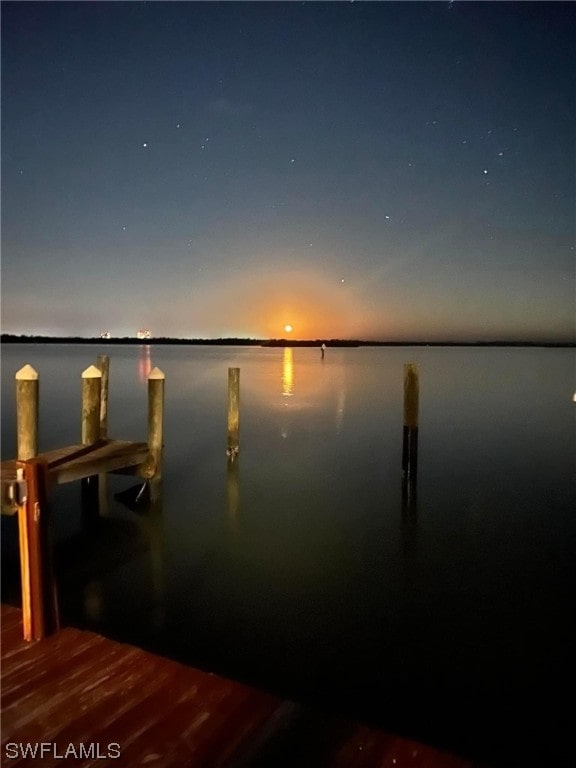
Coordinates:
x,y
75,462
106,458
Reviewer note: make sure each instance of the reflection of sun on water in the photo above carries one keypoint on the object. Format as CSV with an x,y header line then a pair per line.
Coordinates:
x,y
288,373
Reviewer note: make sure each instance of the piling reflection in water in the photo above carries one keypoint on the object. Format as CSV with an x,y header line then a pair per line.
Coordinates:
x,y
144,363
232,493
93,600
409,526
153,524
129,531
410,455
410,432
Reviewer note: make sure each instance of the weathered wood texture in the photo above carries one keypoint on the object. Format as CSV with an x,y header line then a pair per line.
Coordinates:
x,y
103,365
77,461
40,611
91,385
27,387
233,412
156,417
77,688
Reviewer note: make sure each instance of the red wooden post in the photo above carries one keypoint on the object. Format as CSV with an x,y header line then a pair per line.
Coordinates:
x,y
39,601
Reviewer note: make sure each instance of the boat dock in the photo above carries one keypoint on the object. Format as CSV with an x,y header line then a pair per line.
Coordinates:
x,y
73,694
109,703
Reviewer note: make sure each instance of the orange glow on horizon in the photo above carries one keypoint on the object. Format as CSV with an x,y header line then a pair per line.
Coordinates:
x,y
264,305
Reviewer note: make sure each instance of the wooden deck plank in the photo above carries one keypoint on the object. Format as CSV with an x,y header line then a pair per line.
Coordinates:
x,y
234,739
73,670
34,666
189,704
78,688
11,617
102,704
53,647
200,735
227,735
59,691
193,689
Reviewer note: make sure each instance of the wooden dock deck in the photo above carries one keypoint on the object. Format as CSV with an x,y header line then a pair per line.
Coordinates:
x,y
127,707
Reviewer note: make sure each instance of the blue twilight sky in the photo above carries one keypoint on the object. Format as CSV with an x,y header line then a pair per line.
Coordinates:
x,y
373,170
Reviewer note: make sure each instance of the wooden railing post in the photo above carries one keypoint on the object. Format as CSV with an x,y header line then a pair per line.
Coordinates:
x,y
156,418
410,435
233,413
27,412
39,602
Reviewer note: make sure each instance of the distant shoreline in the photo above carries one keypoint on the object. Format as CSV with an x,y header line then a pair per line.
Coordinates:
x,y
8,338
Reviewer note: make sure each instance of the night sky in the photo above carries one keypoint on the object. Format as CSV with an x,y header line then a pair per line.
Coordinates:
x,y
356,170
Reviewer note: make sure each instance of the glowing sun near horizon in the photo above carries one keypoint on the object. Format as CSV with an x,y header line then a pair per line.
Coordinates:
x,y
287,328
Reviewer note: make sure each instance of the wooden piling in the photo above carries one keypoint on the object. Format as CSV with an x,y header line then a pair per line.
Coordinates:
x,y
233,412
91,388
91,385
156,418
39,601
410,432
103,365
27,386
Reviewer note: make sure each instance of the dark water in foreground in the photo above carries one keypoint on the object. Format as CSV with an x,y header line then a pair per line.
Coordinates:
x,y
445,617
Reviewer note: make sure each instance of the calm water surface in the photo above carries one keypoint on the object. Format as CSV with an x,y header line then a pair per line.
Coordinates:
x,y
305,570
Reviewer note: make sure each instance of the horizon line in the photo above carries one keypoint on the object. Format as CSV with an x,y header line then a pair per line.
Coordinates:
x,y
283,341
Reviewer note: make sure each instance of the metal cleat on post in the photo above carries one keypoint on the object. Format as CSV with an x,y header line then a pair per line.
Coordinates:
x,y
14,493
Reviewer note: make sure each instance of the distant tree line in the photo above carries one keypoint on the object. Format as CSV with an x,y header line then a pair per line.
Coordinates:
x,y
9,338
